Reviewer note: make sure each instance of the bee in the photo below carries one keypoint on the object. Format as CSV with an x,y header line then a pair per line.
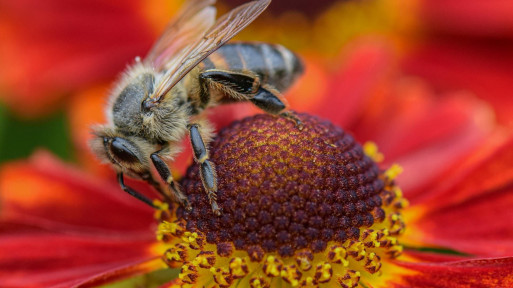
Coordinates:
x,y
190,68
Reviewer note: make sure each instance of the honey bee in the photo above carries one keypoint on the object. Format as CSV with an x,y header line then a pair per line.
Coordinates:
x,y
189,69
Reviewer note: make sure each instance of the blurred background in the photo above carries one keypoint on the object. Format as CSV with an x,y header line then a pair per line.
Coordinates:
x,y
59,58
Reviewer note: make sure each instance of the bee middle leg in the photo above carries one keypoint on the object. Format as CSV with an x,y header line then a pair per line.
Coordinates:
x,y
207,168
165,173
247,87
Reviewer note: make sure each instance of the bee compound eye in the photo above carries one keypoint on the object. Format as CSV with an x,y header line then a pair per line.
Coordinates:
x,y
123,150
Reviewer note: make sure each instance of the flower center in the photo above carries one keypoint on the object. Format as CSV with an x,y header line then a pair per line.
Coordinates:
x,y
306,206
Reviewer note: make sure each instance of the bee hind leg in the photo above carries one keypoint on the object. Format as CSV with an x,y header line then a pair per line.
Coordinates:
x,y
165,174
207,168
272,102
244,86
239,85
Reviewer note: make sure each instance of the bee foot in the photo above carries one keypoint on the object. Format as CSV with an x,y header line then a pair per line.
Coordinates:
x,y
291,116
215,208
188,207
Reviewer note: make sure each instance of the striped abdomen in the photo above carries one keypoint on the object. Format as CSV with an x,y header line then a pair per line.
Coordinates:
x,y
274,64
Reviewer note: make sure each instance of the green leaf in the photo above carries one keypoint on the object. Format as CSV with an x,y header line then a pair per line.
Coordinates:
x,y
20,138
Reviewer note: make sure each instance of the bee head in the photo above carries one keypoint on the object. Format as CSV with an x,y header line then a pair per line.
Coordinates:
x,y
127,154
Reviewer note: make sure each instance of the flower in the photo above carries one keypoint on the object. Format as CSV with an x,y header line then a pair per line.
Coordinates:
x,y
440,143
302,204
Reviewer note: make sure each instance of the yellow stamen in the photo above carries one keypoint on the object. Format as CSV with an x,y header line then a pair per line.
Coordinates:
x,y
371,149
394,171
188,273
221,276
172,228
259,282
323,272
349,280
238,267
273,266
303,259
338,255
291,275
205,259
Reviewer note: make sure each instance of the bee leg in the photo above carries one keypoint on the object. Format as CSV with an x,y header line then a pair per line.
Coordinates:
x,y
290,115
239,83
207,168
156,185
272,102
165,174
134,193
246,87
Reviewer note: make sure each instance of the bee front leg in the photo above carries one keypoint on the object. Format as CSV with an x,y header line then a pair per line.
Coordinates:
x,y
207,168
165,174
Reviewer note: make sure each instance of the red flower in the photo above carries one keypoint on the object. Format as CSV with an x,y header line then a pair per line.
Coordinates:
x,y
62,227
465,45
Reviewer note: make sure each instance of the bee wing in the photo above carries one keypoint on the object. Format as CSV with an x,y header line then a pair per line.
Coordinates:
x,y
186,28
222,31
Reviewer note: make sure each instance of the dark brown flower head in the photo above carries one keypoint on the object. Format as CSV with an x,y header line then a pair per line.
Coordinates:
x,y
309,205
282,189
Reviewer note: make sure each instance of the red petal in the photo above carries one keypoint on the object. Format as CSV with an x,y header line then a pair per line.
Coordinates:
x,y
481,67
461,274
126,271
473,213
42,259
481,225
59,46
475,18
49,194
418,256
423,133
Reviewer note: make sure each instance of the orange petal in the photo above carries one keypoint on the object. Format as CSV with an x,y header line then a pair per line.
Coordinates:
x,y
47,193
492,272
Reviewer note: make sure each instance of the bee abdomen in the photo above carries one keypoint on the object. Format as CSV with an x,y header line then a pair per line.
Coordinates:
x,y
274,64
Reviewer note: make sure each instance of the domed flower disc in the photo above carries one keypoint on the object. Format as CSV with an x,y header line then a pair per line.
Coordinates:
x,y
306,207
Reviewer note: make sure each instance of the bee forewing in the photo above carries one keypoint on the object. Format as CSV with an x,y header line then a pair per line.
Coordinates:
x,y
222,31
185,29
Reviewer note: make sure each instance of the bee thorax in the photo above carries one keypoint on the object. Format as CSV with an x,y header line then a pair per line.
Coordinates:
x,y
126,109
165,123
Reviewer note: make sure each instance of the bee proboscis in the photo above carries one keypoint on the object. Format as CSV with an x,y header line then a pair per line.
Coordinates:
x,y
189,69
